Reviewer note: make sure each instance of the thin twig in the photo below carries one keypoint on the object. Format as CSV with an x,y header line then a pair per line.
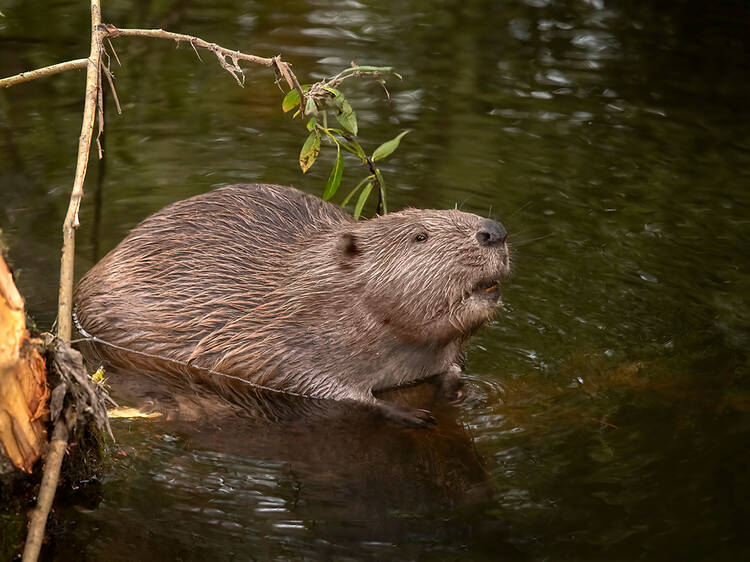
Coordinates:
x,y
222,53
108,74
38,518
111,46
112,31
285,71
42,72
385,89
197,54
99,109
65,299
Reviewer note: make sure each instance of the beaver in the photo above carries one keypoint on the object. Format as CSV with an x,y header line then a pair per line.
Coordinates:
x,y
269,286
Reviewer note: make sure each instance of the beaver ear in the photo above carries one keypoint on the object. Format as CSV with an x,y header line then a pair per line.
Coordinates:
x,y
347,246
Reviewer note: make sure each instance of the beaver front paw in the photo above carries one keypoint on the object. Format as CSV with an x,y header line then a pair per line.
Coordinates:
x,y
451,384
452,388
411,417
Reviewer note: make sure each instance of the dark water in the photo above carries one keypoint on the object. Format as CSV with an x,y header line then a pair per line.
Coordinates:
x,y
609,410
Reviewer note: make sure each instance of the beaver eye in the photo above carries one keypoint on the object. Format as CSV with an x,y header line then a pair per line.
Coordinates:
x,y
421,237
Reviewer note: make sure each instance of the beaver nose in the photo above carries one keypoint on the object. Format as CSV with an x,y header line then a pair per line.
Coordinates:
x,y
491,233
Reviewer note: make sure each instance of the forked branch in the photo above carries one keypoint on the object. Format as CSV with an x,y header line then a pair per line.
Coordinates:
x,y
228,59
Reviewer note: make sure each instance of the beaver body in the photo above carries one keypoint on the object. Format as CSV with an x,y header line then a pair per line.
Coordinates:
x,y
272,286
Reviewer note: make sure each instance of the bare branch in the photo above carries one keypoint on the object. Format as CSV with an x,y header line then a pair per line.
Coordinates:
x,y
112,31
99,108
65,299
235,70
108,74
42,72
197,54
111,46
284,70
38,518
222,54
280,67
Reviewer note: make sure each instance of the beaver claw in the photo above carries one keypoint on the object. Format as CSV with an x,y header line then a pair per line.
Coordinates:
x,y
411,417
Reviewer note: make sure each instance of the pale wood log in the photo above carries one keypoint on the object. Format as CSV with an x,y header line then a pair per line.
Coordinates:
x,y
23,388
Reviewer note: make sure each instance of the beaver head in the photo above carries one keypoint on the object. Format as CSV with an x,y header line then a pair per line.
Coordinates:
x,y
430,276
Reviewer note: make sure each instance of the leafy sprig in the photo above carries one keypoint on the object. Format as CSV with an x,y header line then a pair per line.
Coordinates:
x,y
324,98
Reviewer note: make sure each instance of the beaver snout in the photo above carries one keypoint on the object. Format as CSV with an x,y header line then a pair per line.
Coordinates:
x,y
491,233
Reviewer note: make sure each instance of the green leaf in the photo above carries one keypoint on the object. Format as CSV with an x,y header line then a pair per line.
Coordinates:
x,y
290,101
381,186
345,202
311,124
336,93
342,105
334,180
350,148
385,149
343,110
348,120
97,376
310,151
361,201
310,107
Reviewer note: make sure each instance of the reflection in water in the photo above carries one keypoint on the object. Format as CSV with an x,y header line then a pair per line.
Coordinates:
x,y
333,478
610,402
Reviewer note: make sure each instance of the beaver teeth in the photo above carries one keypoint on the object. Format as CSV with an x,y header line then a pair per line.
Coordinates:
x,y
489,288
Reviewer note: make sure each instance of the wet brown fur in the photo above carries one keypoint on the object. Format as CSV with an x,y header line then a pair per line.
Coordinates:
x,y
284,290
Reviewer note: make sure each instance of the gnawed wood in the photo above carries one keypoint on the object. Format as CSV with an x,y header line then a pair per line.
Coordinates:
x,y
23,381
